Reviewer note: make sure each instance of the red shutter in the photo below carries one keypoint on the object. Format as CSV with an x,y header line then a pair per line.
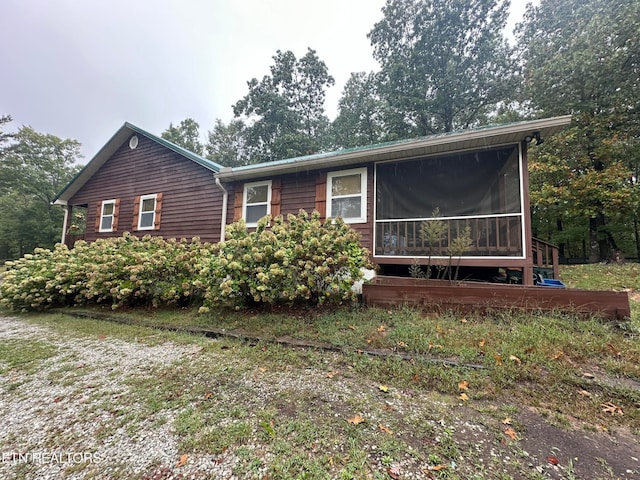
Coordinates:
x,y
276,185
237,202
98,215
156,223
136,213
116,212
321,195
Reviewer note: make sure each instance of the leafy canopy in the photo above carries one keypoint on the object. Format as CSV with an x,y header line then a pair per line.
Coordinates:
x,y
445,64
284,111
34,167
185,135
583,57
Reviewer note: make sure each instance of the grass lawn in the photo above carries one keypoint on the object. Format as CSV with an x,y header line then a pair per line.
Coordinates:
x,y
502,375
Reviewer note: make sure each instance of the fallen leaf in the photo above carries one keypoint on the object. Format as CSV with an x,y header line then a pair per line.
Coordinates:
x,y
208,395
463,385
394,472
388,407
436,468
381,328
558,355
183,460
383,388
584,393
612,409
351,327
511,433
513,358
464,397
385,429
498,358
262,369
463,320
588,375
481,343
58,399
507,421
614,350
356,420
553,460
332,374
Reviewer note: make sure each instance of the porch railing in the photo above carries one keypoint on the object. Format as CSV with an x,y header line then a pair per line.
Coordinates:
x,y
497,235
546,255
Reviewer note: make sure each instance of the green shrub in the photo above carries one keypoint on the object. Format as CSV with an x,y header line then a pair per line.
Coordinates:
x,y
301,260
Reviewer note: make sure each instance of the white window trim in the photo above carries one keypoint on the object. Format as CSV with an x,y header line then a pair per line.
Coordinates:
x,y
102,215
244,199
363,193
140,212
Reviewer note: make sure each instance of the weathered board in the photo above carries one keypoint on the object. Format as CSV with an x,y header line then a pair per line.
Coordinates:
x,y
444,295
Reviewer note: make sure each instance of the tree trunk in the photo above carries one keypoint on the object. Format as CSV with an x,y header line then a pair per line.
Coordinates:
x,y
560,244
637,234
594,247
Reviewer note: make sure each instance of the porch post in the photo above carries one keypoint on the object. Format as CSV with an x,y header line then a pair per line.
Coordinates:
x,y
527,269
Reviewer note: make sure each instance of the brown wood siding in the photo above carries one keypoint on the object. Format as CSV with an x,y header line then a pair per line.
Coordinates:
x,y
300,191
191,202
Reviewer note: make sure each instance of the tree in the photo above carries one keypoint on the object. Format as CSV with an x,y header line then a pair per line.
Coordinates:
x,y
33,170
284,112
583,57
5,138
185,135
445,63
360,119
227,144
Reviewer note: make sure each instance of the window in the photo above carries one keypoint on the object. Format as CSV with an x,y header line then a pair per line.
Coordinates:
x,y
107,216
147,214
347,195
256,202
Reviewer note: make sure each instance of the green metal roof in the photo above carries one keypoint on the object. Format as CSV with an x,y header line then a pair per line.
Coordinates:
x,y
113,144
481,137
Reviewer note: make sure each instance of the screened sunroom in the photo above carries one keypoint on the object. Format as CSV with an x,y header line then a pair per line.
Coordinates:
x,y
468,203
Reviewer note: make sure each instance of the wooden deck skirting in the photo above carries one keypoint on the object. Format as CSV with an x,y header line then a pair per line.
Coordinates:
x,y
438,294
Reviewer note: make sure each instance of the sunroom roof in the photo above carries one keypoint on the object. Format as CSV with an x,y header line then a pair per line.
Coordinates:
x,y
482,137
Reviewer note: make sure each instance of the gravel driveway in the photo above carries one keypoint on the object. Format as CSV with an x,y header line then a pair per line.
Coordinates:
x,y
65,404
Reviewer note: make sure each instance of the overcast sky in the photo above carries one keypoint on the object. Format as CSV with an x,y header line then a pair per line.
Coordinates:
x,y
81,68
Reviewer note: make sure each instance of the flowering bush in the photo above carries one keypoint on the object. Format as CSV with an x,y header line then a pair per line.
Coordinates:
x,y
120,271
301,260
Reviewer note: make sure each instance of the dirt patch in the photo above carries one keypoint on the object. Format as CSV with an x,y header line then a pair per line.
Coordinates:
x,y
562,452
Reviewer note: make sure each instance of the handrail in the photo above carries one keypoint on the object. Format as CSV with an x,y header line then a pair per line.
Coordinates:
x,y
546,255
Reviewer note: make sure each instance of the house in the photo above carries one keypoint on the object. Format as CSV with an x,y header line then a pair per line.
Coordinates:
x,y
471,183
143,184
394,194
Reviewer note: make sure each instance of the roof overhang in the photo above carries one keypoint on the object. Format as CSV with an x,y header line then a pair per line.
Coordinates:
x,y
480,138
113,144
